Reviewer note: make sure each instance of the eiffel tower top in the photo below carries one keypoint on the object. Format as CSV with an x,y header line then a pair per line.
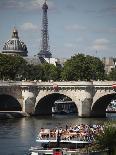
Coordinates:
x,y
45,6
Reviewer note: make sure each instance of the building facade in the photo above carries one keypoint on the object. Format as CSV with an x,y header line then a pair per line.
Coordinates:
x,y
109,64
15,46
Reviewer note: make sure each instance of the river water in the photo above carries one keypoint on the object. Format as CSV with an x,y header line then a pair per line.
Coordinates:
x,y
18,135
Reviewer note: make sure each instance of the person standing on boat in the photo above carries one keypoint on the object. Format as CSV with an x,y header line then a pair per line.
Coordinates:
x,y
58,139
66,127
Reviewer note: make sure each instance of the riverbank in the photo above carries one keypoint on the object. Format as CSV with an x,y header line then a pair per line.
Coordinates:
x,y
13,114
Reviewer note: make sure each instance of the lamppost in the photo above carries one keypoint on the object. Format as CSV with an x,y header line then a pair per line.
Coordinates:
x,y
114,60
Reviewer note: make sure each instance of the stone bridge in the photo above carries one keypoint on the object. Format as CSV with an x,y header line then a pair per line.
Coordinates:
x,y
91,98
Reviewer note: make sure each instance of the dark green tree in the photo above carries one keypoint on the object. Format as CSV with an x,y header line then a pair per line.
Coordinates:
x,y
33,72
51,72
112,75
11,67
16,68
81,67
107,138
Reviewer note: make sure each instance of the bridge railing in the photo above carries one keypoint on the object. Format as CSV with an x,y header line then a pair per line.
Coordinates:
x,y
63,83
10,83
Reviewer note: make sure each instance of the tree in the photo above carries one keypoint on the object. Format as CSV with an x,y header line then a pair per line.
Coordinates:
x,y
107,138
51,72
11,66
16,68
112,74
81,67
33,72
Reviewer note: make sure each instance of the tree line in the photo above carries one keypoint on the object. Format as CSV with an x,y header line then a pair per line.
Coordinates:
x,y
78,67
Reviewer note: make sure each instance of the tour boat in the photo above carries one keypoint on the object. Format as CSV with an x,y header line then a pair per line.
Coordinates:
x,y
110,110
112,107
53,143
64,107
51,147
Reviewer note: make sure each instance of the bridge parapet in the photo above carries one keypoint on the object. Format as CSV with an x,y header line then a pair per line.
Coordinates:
x,y
103,83
10,83
28,83
62,83
71,83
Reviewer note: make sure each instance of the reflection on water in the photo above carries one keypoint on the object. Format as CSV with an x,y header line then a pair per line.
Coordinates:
x,y
18,135
111,116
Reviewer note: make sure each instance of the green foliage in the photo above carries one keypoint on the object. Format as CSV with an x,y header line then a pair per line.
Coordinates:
x,y
107,139
51,72
16,68
33,72
81,67
112,75
11,66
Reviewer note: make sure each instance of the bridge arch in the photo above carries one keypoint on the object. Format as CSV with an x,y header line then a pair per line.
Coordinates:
x,y
98,108
45,103
9,103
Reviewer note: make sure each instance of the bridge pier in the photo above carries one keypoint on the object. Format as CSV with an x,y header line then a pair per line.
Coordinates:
x,y
29,98
84,106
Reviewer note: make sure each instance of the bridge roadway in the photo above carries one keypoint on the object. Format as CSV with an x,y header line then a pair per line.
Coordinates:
x,y
36,97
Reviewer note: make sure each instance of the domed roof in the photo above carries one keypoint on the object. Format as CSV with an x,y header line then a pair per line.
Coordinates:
x,y
15,46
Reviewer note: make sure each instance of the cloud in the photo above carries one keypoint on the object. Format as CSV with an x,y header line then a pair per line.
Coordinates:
x,y
100,44
29,26
75,27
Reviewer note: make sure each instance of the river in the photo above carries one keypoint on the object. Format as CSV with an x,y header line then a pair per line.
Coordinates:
x,y
18,135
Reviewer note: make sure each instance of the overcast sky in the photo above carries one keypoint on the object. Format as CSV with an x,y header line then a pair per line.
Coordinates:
x,y
75,26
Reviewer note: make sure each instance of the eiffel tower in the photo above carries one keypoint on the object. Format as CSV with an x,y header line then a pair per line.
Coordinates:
x,y
45,50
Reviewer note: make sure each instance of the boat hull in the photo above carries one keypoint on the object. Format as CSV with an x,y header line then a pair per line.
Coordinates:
x,y
55,151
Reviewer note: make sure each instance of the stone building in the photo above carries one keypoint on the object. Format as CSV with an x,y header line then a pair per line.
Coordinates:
x,y
109,63
15,46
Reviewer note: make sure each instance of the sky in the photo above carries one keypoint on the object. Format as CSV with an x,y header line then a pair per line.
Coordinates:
x,y
75,26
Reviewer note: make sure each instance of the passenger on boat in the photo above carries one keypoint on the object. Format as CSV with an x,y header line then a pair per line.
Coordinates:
x,y
44,133
80,132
